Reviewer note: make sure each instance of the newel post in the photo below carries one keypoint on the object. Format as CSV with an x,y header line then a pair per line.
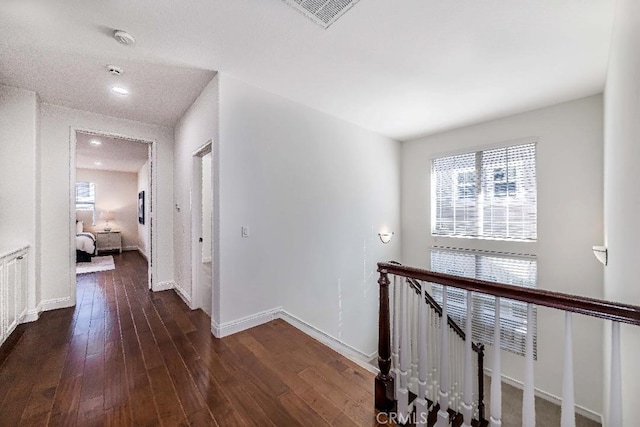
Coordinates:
x,y
383,381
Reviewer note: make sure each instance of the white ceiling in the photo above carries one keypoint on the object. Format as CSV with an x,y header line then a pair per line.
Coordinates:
x,y
113,154
401,68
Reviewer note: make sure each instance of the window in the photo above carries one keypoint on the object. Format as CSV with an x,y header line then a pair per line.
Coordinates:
x,y
86,198
466,184
509,269
486,194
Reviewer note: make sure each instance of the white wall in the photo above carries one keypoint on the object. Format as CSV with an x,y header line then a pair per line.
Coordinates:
x,y
198,126
143,229
116,192
621,191
58,267
570,186
314,192
19,111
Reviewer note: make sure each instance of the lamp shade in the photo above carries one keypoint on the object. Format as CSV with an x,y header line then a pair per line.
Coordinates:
x,y
107,215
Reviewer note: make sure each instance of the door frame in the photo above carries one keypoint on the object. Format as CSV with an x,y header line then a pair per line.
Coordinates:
x,y
152,157
197,294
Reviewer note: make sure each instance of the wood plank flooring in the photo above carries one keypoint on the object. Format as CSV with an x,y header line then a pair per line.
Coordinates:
x,y
126,356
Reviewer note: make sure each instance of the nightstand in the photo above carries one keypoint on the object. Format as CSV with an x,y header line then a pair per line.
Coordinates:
x,y
109,240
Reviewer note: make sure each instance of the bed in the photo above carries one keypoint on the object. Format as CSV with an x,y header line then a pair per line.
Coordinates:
x,y
85,244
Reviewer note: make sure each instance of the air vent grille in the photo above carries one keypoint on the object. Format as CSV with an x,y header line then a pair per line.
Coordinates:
x,y
322,12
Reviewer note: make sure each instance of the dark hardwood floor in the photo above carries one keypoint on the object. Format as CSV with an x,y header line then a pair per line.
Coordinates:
x,y
127,356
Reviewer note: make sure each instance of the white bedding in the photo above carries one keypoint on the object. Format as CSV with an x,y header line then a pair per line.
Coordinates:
x,y
86,242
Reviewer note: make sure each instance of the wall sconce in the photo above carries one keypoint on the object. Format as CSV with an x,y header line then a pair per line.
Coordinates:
x,y
385,237
601,254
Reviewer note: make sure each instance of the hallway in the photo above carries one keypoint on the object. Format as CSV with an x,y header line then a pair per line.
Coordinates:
x,y
126,356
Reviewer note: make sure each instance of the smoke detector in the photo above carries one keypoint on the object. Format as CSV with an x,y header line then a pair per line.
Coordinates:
x,y
124,38
114,69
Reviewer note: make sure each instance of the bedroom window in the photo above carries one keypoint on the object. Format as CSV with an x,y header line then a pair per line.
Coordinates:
x,y
486,194
521,270
86,198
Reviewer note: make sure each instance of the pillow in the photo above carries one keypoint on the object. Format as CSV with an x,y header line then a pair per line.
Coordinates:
x,y
79,227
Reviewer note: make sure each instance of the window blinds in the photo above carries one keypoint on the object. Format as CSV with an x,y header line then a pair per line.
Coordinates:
x,y
489,194
513,270
85,196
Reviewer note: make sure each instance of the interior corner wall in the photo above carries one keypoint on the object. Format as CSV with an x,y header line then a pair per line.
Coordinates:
x,y
570,222
197,126
621,190
314,192
57,123
117,192
19,116
143,229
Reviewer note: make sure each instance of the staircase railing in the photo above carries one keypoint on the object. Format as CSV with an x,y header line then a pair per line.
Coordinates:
x,y
409,389
388,400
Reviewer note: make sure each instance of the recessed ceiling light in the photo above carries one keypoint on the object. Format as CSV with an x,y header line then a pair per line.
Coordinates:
x,y
98,163
123,37
120,90
96,142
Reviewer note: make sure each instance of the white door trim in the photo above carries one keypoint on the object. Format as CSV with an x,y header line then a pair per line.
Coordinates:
x,y
153,175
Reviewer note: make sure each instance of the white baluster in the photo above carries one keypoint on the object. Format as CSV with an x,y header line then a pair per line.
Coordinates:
x,y
395,351
443,415
414,338
528,397
422,407
567,411
467,405
436,367
496,380
403,392
431,347
615,393
455,384
459,370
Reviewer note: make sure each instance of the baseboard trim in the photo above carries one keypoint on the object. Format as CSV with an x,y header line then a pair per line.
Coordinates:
x,y
31,315
182,294
351,353
129,248
141,252
232,327
47,305
229,328
585,412
163,286
54,304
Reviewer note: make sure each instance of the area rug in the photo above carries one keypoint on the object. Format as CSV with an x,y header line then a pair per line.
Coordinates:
x,y
98,263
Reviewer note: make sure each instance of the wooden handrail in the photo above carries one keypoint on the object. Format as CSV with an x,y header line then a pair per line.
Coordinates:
x,y
567,302
435,306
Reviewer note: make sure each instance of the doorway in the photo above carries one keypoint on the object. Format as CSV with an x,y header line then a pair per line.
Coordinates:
x,y
119,172
202,229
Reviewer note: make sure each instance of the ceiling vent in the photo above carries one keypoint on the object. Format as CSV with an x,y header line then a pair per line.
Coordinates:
x,y
322,12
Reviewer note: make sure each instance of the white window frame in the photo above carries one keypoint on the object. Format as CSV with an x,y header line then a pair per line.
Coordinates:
x,y
479,195
482,325
465,184
87,205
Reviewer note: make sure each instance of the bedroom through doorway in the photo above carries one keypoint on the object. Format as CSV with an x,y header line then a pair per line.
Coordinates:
x,y
111,200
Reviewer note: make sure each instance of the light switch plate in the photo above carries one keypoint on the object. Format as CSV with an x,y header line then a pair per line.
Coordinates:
x,y
244,231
